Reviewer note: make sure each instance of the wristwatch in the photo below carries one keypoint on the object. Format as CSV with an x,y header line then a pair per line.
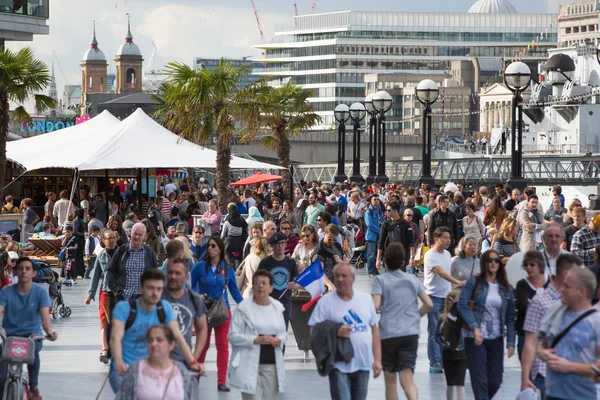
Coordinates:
x,y
595,369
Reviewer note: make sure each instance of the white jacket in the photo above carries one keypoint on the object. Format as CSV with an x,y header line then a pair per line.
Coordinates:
x,y
245,355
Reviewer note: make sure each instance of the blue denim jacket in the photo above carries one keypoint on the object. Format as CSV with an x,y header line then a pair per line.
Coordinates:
x,y
472,318
373,219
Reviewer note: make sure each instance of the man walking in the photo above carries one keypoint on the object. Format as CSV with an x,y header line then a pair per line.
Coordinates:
x,y
188,308
533,369
313,210
396,230
586,240
569,337
443,217
129,263
437,284
356,311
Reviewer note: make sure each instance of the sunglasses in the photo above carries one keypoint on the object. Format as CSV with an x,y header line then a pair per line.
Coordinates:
x,y
306,236
409,215
286,229
390,209
212,246
497,260
319,220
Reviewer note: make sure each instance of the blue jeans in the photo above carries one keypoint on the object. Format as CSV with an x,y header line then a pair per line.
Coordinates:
x,y
114,378
434,350
33,370
486,366
540,383
353,386
90,267
372,258
520,345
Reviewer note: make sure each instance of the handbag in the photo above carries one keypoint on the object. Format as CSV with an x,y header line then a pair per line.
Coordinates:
x,y
217,312
471,303
240,276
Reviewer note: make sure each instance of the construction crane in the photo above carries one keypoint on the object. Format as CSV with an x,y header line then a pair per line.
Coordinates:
x,y
260,29
312,8
296,9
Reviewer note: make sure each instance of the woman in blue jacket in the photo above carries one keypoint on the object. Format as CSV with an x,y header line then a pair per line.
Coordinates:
x,y
211,278
490,319
373,220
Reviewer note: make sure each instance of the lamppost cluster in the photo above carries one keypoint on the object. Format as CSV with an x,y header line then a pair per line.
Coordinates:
x,y
376,105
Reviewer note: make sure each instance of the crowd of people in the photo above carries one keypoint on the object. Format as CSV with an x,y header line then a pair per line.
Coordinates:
x,y
488,267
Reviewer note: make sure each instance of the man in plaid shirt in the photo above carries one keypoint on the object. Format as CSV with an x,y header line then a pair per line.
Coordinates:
x,y
533,370
585,240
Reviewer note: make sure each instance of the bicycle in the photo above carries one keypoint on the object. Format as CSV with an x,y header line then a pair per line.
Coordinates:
x,y
17,351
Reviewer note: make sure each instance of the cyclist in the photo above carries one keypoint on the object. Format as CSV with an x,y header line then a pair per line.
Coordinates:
x,y
26,309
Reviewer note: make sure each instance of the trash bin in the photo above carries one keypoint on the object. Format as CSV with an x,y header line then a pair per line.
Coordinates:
x,y
300,319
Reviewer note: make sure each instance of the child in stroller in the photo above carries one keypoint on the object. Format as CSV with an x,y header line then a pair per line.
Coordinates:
x,y
359,251
67,256
46,276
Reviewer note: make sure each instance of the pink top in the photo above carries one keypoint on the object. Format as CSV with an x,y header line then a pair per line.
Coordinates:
x,y
214,220
151,383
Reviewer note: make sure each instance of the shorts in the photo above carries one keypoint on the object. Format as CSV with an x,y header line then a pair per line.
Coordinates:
x,y
455,369
107,302
399,353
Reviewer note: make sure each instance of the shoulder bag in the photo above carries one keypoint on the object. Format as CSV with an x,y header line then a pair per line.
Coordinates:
x,y
471,303
561,335
217,312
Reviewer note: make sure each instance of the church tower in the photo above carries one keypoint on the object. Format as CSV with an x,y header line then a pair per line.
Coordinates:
x,y
128,64
93,70
53,93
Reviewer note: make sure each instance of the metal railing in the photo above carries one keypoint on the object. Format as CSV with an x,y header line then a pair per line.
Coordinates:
x,y
542,170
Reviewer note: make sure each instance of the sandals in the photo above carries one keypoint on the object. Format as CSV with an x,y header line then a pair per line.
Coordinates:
x,y
104,357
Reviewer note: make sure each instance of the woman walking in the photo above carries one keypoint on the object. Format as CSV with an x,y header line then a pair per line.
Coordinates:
x,y
211,278
396,295
465,264
506,241
79,234
304,251
234,234
257,337
453,353
261,250
158,376
473,225
490,321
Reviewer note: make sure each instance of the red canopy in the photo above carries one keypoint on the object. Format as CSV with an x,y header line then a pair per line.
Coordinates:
x,y
258,177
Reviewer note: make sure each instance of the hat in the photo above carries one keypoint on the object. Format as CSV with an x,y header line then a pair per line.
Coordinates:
x,y
596,221
13,255
277,237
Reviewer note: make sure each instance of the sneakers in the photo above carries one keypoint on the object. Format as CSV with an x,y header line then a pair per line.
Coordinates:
x,y
34,394
435,369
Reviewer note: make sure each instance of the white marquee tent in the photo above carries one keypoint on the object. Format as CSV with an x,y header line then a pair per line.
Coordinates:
x,y
104,142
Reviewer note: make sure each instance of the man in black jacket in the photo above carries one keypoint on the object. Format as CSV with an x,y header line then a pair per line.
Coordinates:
x,y
395,229
128,264
444,217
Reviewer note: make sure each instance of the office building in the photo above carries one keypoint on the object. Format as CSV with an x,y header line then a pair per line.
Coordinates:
x,y
578,23
213,62
332,52
20,20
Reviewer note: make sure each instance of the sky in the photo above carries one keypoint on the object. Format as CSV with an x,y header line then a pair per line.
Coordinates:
x,y
184,29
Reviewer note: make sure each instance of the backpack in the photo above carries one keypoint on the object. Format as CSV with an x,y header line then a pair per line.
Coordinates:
x,y
395,234
160,311
461,213
450,331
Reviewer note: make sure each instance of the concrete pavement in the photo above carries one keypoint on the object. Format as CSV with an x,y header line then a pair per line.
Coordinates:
x,y
71,370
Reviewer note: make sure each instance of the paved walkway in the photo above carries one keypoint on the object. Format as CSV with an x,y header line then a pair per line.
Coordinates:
x,y
71,370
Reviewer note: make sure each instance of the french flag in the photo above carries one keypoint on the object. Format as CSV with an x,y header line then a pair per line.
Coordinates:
x,y
313,280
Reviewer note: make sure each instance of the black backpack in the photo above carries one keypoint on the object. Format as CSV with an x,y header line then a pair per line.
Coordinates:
x,y
395,234
450,330
461,213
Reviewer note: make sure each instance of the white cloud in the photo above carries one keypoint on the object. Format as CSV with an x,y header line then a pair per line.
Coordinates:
x,y
181,31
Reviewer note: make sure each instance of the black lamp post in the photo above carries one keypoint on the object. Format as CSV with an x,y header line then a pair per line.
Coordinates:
x,y
382,102
427,93
373,132
357,114
517,77
342,114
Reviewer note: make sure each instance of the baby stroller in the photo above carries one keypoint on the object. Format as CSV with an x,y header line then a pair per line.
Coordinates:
x,y
46,275
359,251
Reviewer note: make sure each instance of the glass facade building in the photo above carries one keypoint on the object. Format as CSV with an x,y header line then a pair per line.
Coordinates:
x,y
332,52
20,20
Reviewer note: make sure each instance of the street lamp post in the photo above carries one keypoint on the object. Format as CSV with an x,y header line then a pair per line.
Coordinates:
x,y
342,114
427,94
357,114
373,132
382,102
517,77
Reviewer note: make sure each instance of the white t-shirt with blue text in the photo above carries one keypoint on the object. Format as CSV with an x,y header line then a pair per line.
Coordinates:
x,y
134,344
359,312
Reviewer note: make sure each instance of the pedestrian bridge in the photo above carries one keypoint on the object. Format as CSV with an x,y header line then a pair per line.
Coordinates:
x,y
577,170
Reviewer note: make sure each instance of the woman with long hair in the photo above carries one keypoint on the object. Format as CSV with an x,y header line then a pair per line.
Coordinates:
x,y
6,263
261,250
506,240
154,241
116,224
495,214
301,210
478,203
487,307
287,215
79,234
304,251
454,359
534,283
234,234
158,376
465,264
212,278
472,224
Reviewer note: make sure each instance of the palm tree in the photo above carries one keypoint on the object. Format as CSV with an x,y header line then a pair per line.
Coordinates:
x,y
286,112
203,103
22,77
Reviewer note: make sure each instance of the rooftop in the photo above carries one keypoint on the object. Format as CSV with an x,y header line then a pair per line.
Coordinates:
x,y
492,7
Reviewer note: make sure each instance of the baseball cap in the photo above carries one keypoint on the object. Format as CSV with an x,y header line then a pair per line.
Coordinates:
x,y
277,237
13,255
596,221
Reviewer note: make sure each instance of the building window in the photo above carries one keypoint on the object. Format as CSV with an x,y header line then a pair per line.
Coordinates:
x,y
567,30
575,29
584,28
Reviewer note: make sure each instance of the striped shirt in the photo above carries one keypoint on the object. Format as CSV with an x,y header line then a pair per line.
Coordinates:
x,y
134,268
536,310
